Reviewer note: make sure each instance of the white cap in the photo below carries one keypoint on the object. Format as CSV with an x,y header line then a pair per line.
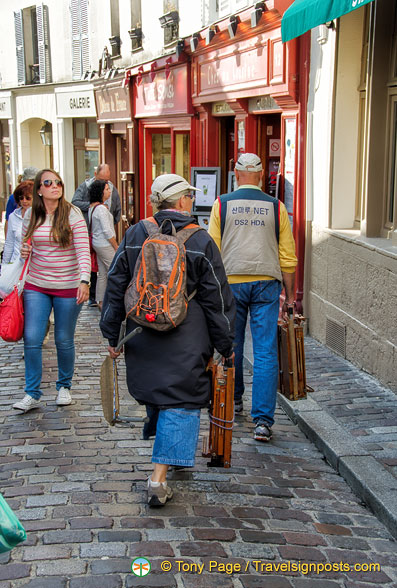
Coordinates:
x,y
169,185
249,162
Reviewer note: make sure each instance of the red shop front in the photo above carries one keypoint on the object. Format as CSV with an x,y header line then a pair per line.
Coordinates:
x,y
163,109
251,93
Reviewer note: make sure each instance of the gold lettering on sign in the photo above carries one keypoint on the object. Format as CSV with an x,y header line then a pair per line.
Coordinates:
x,y
104,105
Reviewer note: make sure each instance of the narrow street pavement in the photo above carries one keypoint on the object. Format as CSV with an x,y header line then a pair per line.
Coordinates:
x,y
78,486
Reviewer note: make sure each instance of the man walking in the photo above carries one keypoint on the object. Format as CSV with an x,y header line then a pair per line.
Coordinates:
x,y
254,236
82,201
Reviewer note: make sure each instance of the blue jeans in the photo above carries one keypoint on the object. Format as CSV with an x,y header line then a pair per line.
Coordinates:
x,y
37,312
176,436
261,299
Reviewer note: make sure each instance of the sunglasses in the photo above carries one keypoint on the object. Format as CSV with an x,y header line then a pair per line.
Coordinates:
x,y
25,198
48,183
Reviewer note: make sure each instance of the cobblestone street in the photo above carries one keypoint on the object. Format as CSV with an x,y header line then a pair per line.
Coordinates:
x,y
78,486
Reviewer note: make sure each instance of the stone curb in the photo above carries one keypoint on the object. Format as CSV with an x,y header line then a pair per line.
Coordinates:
x,y
368,479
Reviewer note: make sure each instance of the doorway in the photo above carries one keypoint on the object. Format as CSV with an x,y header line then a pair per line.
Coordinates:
x,y
269,149
226,149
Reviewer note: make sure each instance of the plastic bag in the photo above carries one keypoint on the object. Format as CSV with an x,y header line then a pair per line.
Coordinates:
x,y
11,530
10,273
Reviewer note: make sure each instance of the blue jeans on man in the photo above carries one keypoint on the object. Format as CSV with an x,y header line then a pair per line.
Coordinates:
x,y
38,308
261,299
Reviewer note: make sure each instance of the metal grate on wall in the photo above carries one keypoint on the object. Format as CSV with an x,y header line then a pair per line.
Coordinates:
x,y
335,336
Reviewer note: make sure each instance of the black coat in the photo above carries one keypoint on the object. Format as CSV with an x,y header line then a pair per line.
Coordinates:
x,y
168,369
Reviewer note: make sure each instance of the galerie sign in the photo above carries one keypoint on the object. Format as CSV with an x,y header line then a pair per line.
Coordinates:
x,y
75,104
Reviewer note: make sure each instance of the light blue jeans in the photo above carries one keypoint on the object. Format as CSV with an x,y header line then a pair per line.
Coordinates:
x,y
37,312
261,299
176,436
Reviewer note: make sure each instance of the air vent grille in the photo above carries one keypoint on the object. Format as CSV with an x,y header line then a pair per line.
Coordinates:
x,y
335,336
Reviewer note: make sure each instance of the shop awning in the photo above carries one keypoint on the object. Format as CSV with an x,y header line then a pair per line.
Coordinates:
x,y
304,15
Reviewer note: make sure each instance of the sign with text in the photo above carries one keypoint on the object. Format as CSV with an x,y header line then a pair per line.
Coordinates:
x,y
113,104
75,104
162,95
228,71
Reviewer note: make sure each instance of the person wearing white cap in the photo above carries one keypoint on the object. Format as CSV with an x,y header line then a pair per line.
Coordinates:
x,y
166,370
254,236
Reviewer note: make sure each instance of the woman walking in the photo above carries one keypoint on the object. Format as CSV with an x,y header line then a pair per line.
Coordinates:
x,y
101,227
58,279
23,198
167,370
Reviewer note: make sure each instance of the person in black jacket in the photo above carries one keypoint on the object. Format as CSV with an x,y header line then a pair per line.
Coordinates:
x,y
167,370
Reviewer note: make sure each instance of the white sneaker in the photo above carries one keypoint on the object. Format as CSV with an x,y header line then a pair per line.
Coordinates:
x,y
158,493
27,403
64,397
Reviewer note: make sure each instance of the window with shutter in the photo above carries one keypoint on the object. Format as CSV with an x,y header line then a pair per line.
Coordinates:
x,y
80,39
209,12
224,8
20,50
238,5
43,42
136,25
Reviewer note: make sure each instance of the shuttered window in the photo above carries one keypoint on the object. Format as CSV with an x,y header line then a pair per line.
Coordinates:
x,y
224,8
20,50
43,42
80,41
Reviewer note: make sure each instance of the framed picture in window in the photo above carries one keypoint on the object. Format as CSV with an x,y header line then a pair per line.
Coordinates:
x,y
207,180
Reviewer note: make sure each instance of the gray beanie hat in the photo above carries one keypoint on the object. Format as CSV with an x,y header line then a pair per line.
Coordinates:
x,y
29,173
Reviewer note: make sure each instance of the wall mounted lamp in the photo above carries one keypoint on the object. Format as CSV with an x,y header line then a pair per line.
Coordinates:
x,y
168,62
232,27
256,15
153,70
210,34
180,48
46,134
194,41
139,77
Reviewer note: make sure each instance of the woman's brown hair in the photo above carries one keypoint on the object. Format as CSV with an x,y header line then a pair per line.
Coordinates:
x,y
60,231
23,189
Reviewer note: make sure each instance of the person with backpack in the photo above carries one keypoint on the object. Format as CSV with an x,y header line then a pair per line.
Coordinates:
x,y
167,275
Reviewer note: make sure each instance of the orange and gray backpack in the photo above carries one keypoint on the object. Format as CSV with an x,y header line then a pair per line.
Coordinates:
x,y
156,297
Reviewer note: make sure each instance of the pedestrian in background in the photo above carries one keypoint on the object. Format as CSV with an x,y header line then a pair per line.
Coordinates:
x,y
101,227
23,198
167,370
82,200
253,233
58,278
29,173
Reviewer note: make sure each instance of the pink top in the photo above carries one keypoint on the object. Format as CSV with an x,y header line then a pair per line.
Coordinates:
x,y
54,268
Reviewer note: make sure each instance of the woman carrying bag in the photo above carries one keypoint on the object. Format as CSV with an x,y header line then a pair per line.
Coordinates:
x,y
101,228
58,279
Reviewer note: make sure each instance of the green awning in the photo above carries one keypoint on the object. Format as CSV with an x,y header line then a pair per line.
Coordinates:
x,y
304,15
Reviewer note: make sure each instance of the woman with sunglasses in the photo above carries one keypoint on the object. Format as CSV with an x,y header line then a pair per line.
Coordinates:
x,y
23,198
58,279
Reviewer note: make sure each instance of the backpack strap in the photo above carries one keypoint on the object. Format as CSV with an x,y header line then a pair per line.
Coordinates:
x,y
185,233
150,226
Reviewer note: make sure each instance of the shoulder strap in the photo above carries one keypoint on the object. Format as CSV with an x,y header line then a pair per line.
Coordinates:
x,y
92,212
150,225
185,233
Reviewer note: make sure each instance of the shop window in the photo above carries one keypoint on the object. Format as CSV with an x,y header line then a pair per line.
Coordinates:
x,y
32,45
391,200
115,41
161,154
170,21
86,148
80,39
136,25
182,155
